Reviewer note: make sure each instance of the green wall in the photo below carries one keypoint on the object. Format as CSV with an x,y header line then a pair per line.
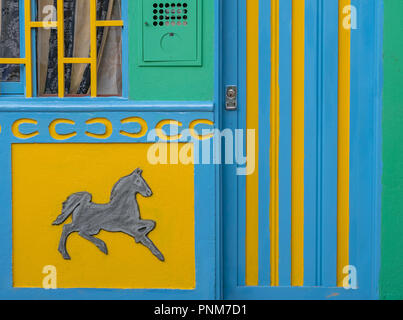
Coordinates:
x,y
172,83
391,279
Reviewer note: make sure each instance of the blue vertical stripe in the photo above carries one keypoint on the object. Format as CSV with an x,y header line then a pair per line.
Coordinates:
x,y
241,63
312,16
365,132
264,140
329,121
285,83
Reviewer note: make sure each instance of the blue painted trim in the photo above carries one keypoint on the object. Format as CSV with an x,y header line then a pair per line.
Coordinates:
x,y
295,293
265,52
100,104
365,162
378,93
218,98
285,82
241,210
328,146
12,88
321,136
311,136
230,200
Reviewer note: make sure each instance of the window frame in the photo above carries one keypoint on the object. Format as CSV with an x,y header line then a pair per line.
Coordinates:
x,y
23,90
17,88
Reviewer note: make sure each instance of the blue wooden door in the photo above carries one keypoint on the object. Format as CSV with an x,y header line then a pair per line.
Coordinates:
x,y
301,221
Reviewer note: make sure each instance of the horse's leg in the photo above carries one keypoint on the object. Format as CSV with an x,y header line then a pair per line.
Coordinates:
x,y
98,242
150,245
141,229
67,230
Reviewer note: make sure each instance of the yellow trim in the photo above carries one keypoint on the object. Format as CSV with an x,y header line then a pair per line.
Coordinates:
x,y
160,131
108,128
343,221
252,123
93,55
57,136
77,60
194,133
12,60
109,23
15,129
274,143
43,24
28,49
60,47
141,122
297,162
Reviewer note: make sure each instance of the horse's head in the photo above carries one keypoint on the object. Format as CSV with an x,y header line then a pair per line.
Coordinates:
x,y
141,185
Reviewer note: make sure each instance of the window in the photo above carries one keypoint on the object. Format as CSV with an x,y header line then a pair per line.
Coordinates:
x,y
10,74
80,57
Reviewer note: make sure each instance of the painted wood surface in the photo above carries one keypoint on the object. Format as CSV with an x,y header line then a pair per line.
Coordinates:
x,y
302,194
391,280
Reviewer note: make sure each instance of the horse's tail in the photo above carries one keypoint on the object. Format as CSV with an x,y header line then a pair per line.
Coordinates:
x,y
70,205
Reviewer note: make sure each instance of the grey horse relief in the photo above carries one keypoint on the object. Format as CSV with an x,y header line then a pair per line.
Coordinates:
x,y
121,214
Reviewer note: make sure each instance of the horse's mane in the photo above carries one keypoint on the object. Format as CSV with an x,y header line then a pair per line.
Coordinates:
x,y
115,187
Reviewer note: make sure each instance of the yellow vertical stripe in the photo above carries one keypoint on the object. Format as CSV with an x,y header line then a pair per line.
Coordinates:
x,y
274,143
297,162
343,178
93,22
60,47
252,122
28,49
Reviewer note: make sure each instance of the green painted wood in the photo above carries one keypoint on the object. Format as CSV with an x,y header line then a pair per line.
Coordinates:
x,y
391,278
173,83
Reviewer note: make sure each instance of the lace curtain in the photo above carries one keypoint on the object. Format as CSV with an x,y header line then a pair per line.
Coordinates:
x,y
9,39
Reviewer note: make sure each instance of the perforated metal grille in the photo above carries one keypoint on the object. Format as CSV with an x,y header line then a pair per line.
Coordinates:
x,y
170,14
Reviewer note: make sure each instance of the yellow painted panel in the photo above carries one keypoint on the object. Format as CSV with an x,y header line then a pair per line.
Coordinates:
x,y
274,143
252,122
45,174
297,162
343,181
